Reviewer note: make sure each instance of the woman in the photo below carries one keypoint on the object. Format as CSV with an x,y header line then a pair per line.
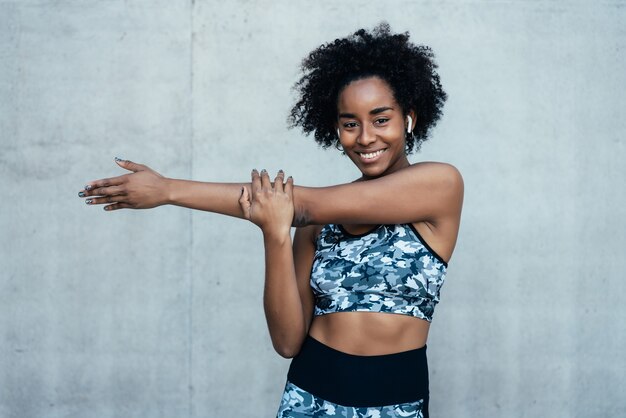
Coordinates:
x,y
363,250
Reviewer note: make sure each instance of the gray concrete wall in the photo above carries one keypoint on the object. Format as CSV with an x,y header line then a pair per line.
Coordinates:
x,y
159,314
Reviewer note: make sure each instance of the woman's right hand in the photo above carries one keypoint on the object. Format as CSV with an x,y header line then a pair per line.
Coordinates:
x,y
144,188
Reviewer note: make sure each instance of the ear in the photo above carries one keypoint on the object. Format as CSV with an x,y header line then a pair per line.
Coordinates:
x,y
410,122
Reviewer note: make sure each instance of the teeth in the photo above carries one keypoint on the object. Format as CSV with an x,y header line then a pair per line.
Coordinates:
x,y
372,154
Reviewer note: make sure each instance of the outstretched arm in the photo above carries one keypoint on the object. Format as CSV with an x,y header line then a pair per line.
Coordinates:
x,y
429,192
144,188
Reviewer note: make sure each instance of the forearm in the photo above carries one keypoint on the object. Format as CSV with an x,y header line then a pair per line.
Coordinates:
x,y
222,198
281,300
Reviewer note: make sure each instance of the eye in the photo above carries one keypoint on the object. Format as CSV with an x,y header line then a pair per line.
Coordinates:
x,y
349,125
381,121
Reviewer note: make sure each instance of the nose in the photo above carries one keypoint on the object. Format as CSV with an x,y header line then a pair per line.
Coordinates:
x,y
367,136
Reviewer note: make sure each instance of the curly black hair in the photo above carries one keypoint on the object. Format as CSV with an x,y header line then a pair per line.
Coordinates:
x,y
408,69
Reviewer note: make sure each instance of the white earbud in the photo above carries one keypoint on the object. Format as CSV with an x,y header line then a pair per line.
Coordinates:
x,y
410,126
338,135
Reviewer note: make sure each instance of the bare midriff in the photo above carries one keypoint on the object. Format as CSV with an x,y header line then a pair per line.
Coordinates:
x,y
370,333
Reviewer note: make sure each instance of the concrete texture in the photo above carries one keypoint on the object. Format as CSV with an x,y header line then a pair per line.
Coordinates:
x,y
159,314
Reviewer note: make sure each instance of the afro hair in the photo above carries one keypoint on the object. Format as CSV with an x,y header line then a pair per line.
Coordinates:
x,y
408,69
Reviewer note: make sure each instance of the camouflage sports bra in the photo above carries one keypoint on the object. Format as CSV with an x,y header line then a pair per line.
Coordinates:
x,y
389,269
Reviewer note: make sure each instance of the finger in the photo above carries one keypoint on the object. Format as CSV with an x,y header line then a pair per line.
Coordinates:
x,y
113,181
117,206
289,186
256,182
129,165
278,181
105,199
244,203
104,191
265,180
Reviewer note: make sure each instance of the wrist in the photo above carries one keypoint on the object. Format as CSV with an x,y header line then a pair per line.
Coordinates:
x,y
169,191
277,237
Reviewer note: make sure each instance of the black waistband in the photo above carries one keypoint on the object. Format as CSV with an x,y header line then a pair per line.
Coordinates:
x,y
360,381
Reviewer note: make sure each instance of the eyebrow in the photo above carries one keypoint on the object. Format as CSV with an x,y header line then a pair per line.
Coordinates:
x,y
375,111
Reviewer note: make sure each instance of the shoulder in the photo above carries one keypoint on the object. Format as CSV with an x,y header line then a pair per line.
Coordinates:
x,y
436,174
435,168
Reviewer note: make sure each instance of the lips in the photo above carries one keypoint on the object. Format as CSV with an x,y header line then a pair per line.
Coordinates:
x,y
371,156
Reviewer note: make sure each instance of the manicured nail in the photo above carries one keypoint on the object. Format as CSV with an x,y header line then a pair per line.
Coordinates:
x,y
281,171
81,194
263,171
241,192
254,170
118,159
107,208
88,201
88,187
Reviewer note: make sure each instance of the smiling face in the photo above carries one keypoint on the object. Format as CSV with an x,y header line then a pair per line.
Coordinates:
x,y
372,127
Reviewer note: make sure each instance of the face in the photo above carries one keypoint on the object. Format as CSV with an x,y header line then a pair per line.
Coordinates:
x,y
372,127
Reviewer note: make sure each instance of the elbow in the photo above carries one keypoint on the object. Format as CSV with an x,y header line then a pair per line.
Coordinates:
x,y
287,349
302,208
301,216
288,354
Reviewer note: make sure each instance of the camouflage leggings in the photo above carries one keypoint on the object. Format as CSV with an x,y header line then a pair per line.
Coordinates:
x,y
298,403
339,384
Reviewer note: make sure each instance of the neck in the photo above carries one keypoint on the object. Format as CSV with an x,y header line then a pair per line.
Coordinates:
x,y
398,165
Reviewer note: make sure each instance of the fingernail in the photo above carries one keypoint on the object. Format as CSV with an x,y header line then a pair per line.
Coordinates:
x,y
88,187
88,201
263,171
242,191
254,170
107,208
118,159
281,171
81,194
290,178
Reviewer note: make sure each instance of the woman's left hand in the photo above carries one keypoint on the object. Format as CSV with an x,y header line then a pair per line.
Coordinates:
x,y
269,206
